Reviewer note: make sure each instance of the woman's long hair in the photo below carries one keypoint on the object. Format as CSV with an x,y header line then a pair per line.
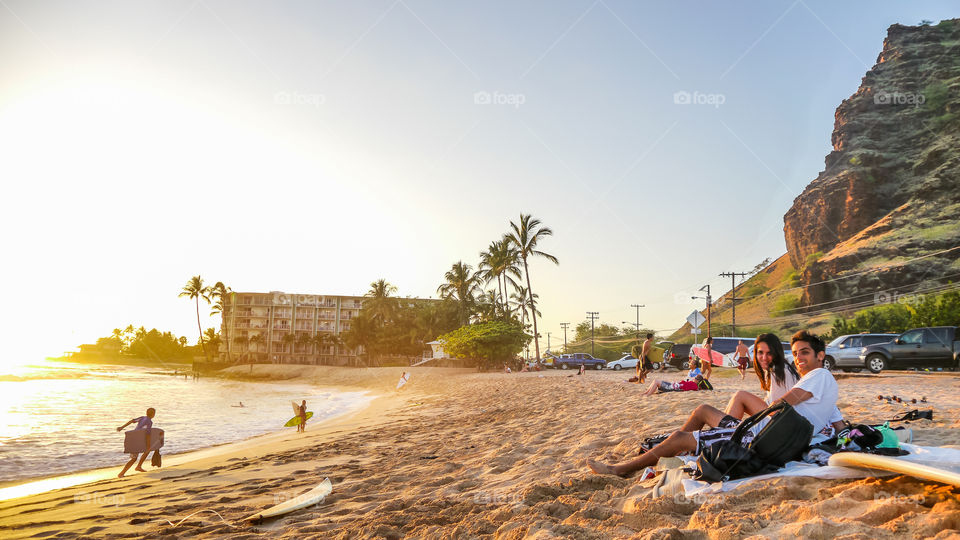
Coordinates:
x,y
779,366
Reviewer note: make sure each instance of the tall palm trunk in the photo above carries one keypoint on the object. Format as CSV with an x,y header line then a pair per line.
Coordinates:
x,y
503,307
533,308
202,346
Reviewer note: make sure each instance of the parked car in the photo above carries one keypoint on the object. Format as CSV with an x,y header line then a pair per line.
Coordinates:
x,y
575,360
627,361
844,352
678,355
918,348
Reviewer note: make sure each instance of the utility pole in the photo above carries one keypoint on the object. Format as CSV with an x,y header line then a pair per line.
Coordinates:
x,y
733,297
707,287
638,306
564,325
548,341
592,315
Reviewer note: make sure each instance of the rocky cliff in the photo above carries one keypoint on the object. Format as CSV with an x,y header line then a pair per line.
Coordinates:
x,y
890,190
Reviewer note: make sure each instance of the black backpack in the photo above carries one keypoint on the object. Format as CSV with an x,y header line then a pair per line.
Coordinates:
x,y
783,439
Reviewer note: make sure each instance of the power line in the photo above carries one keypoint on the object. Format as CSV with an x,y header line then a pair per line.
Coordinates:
x,y
592,315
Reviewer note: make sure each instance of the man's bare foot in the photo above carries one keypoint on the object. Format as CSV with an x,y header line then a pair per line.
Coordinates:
x,y
120,475
601,468
139,469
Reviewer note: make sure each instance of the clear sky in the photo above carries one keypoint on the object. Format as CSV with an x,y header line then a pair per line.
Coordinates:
x,y
314,147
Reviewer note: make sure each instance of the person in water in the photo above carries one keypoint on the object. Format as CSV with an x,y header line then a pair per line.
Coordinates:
x,y
143,423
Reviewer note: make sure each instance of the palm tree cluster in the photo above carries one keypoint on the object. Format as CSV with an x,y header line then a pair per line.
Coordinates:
x,y
506,261
392,326
215,295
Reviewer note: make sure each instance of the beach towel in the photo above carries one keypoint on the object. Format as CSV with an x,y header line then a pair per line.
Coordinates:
x,y
942,457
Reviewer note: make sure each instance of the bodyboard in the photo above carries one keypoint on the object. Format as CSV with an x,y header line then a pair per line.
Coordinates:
x,y
873,462
135,440
314,496
403,380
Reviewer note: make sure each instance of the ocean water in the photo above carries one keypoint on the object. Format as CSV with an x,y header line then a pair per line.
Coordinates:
x,y
58,418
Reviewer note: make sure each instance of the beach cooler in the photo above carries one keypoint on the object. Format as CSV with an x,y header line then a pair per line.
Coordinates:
x,y
135,441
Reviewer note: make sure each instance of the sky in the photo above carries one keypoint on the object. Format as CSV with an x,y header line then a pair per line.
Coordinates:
x,y
314,147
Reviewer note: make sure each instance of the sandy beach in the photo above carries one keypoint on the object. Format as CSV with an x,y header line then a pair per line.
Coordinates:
x,y
460,454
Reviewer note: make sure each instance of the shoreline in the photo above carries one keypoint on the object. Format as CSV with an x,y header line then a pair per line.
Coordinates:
x,y
38,485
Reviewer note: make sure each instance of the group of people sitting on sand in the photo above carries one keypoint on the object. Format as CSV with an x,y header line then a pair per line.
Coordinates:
x,y
809,388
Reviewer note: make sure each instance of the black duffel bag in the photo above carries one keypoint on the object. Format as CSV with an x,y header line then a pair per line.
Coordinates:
x,y
783,439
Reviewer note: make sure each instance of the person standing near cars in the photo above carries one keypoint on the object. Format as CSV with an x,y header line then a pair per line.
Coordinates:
x,y
644,365
742,358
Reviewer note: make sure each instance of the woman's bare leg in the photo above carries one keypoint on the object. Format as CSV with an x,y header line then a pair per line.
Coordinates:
x,y
744,403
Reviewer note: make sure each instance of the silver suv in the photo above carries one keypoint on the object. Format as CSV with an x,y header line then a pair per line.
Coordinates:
x,y
844,352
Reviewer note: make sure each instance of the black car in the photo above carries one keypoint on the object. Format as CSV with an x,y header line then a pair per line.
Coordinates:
x,y
678,355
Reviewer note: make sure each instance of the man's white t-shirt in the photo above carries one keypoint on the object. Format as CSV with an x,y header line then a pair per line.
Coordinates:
x,y
821,409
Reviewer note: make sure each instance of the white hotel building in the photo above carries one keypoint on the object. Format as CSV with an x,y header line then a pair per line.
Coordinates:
x,y
280,328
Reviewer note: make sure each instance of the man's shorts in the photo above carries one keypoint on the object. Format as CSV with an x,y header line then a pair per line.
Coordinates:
x,y
742,362
709,437
647,364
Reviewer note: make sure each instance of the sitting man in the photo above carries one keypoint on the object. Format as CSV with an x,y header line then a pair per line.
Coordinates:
x,y
814,397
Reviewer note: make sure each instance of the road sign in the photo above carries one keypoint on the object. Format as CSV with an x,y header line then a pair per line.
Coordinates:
x,y
696,331
696,319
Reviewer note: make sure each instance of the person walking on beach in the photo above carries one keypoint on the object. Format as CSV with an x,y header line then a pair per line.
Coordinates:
x,y
303,417
742,359
644,365
143,423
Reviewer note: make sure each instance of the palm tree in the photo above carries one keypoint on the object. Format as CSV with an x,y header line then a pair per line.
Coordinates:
x,y
256,340
378,303
522,300
525,237
500,262
195,290
244,342
462,285
218,295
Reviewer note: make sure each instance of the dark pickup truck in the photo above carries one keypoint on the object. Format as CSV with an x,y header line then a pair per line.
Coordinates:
x,y
918,348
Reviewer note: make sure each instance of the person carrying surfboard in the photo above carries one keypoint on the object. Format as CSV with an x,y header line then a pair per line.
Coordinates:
x,y
303,417
814,397
143,423
644,365
708,363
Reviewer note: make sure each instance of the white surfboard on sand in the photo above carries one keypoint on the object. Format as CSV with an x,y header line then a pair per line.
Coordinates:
x,y
868,462
313,496
403,380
